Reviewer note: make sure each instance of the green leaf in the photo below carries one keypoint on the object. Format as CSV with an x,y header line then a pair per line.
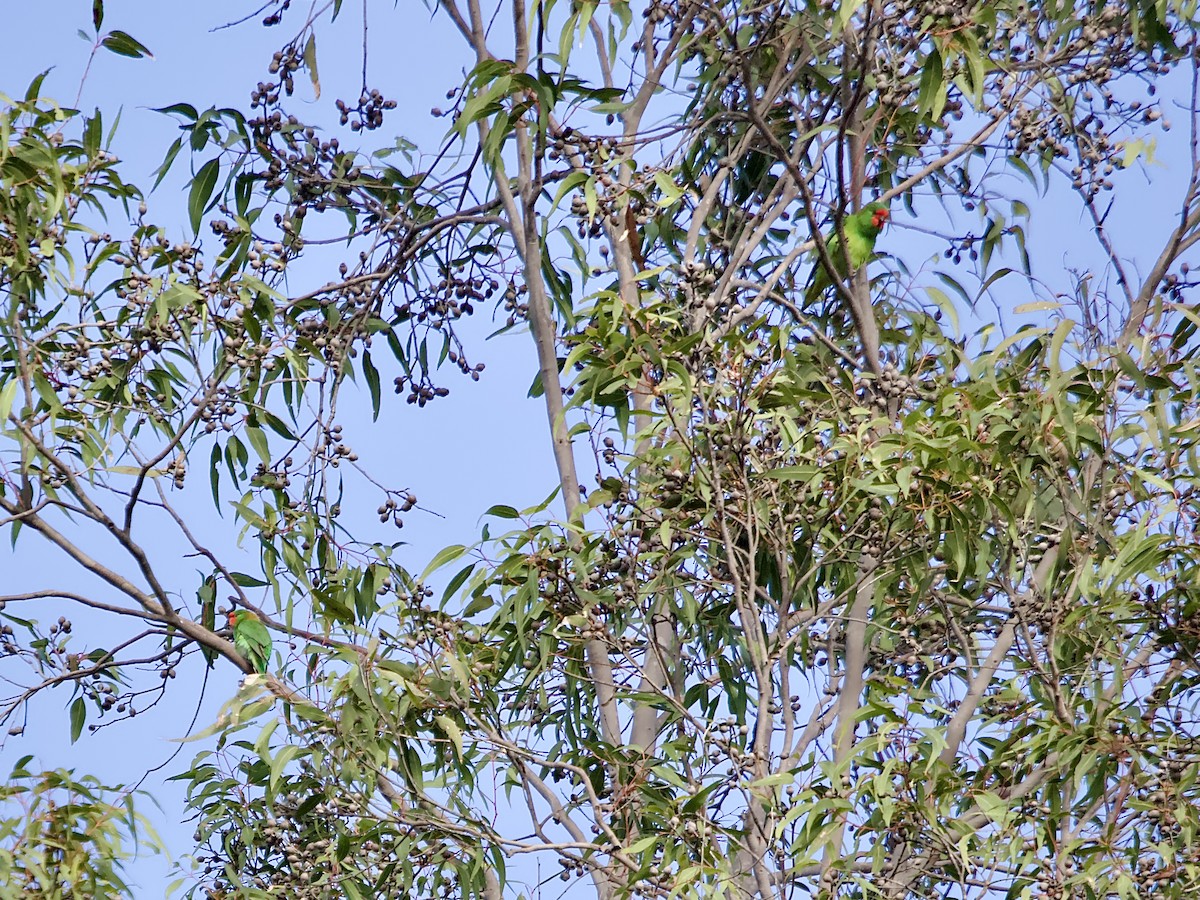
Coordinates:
x,y
643,844
78,717
452,731
567,185
34,91
975,66
477,605
258,440
671,192
286,754
535,388
992,806
372,376
201,192
846,11
1037,306
243,580
179,109
931,97
944,303
481,105
92,134
590,197
207,596
793,473
276,424
457,581
1054,357
161,172
310,63
214,474
445,555
1137,148
8,394
124,44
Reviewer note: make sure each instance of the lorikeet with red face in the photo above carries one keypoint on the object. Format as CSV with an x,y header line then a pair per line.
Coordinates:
x,y
251,638
861,229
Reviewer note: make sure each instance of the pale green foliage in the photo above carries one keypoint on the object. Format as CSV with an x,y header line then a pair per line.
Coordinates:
x,y
64,837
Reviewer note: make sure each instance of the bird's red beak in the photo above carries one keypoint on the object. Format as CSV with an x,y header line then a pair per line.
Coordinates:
x,y
232,619
880,218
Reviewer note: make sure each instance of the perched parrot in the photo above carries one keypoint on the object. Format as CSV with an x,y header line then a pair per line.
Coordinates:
x,y
251,638
861,229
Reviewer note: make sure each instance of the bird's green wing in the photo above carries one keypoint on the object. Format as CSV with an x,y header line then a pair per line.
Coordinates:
x,y
862,245
860,242
821,280
252,639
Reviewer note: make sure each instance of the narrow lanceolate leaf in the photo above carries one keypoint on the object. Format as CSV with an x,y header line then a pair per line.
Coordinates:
x,y
208,615
931,98
201,192
124,44
310,63
78,718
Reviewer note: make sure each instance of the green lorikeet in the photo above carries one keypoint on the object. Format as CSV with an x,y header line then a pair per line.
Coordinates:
x,y
251,638
861,229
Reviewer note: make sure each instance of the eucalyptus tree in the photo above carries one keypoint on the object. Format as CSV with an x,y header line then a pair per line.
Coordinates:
x,y
882,590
